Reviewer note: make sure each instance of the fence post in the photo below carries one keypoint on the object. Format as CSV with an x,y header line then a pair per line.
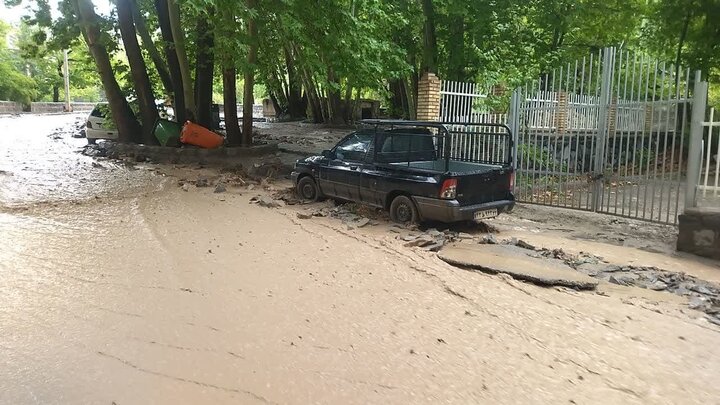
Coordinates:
x,y
696,134
608,67
514,124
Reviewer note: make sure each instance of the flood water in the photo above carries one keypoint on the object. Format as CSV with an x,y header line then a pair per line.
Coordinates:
x,y
40,162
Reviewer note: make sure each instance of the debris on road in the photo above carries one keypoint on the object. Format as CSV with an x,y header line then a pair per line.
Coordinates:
x,y
648,277
265,201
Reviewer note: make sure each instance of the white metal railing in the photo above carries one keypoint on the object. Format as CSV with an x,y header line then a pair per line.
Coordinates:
x,y
709,179
461,101
579,112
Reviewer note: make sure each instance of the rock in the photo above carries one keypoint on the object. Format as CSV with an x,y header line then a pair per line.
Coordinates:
x,y
433,232
361,222
251,187
220,188
434,247
699,303
186,187
265,202
591,269
302,215
521,243
421,241
713,320
624,279
701,289
464,235
488,239
658,286
408,238
202,182
611,268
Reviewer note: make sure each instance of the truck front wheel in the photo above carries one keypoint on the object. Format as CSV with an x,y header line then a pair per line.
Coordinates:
x,y
403,210
307,189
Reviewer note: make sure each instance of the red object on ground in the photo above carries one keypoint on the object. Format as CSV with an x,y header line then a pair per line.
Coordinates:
x,y
197,135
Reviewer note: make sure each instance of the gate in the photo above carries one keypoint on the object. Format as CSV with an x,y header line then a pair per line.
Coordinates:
x,y
604,134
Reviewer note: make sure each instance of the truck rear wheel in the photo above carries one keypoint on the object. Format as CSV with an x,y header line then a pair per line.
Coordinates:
x,y
307,189
403,210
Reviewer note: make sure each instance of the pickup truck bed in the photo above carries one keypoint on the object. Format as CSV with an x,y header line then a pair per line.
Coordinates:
x,y
438,165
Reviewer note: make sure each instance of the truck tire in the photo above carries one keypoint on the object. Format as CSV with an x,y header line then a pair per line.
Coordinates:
x,y
307,189
403,210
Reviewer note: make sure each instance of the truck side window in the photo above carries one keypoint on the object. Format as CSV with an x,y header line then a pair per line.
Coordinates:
x,y
355,147
404,147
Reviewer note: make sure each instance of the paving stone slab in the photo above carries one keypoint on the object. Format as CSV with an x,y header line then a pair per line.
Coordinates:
x,y
505,259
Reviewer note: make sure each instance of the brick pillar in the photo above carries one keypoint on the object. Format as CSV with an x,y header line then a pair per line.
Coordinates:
x,y
612,115
562,112
428,102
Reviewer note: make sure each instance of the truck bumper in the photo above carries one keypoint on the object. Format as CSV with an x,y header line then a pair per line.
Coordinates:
x,y
433,209
294,176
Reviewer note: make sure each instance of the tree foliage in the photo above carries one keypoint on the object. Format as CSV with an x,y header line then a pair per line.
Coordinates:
x,y
319,58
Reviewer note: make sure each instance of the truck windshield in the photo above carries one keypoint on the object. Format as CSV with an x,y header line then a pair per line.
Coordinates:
x,y
355,146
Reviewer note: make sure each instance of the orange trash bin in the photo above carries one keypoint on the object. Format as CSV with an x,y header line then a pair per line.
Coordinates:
x,y
197,135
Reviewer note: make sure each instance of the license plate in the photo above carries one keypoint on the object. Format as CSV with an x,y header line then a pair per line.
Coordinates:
x,y
486,214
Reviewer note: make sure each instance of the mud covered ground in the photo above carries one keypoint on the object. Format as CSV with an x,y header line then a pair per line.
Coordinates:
x,y
203,285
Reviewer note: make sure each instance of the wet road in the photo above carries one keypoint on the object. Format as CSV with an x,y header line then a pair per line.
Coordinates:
x,y
40,163
151,294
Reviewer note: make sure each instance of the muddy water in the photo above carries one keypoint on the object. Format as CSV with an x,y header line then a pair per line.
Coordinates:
x,y
196,297
40,163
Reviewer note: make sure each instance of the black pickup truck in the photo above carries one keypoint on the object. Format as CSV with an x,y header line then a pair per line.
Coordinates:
x,y
419,171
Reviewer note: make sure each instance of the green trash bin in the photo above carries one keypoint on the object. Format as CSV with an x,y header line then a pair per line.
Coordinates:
x,y
167,132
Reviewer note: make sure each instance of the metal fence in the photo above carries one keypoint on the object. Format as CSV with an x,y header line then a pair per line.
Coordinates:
x,y
466,103
707,192
710,164
604,134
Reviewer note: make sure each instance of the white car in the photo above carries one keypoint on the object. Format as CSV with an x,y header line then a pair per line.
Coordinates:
x,y
96,126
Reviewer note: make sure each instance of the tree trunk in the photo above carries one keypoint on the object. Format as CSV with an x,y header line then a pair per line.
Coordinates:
x,y
151,49
179,40
456,49
681,43
297,105
429,38
124,118
204,69
56,94
249,78
232,126
138,71
174,66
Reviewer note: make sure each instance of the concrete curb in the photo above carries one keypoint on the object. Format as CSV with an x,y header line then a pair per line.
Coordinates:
x,y
186,154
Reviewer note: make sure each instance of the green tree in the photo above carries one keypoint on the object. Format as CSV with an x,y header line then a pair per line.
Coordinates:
x,y
14,84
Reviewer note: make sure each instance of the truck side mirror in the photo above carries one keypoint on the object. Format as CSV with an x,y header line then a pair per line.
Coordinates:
x,y
326,153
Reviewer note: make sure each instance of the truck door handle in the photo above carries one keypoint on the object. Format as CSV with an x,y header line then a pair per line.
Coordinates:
x,y
353,167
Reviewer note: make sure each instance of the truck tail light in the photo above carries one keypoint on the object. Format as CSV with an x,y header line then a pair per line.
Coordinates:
x,y
511,181
448,191
89,124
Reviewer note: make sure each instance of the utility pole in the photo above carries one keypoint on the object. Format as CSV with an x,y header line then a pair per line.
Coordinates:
x,y
66,77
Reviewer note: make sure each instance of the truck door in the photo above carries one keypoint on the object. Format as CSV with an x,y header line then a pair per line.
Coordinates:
x,y
344,170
